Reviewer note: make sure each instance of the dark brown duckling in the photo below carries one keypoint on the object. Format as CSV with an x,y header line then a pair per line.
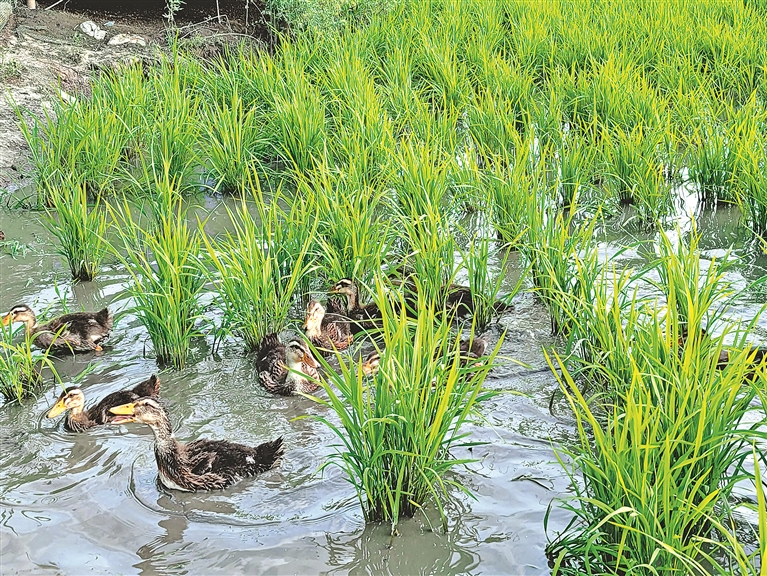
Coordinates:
x,y
202,464
363,317
460,300
79,420
328,332
286,369
76,332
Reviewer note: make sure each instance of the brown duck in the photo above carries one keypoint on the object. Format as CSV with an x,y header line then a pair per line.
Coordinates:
x,y
202,464
77,332
328,332
362,316
72,400
285,369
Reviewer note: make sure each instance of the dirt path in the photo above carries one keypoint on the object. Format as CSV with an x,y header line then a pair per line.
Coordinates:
x,y
44,53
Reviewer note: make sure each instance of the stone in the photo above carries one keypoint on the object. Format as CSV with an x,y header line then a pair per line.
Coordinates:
x,y
126,39
92,29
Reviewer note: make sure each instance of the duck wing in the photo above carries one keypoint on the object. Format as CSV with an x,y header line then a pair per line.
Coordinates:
x,y
232,460
271,364
336,331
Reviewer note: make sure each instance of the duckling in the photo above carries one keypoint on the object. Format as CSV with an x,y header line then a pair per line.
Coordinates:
x,y
286,369
202,464
79,420
363,317
328,332
459,298
78,332
371,364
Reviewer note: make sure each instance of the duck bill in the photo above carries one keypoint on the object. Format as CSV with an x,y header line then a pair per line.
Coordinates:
x,y
57,409
6,319
308,360
334,291
123,413
306,324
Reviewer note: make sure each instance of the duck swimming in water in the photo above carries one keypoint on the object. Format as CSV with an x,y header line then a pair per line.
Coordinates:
x,y
72,400
202,464
285,369
328,332
362,316
77,332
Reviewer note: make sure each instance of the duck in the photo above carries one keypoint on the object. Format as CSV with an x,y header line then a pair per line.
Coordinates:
x,y
371,364
201,465
328,332
72,400
77,332
363,317
460,300
285,369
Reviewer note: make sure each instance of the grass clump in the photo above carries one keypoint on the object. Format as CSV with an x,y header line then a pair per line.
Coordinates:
x,y
163,260
259,267
397,429
21,366
79,228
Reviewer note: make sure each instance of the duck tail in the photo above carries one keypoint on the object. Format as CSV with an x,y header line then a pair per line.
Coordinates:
x,y
269,454
270,341
105,318
149,387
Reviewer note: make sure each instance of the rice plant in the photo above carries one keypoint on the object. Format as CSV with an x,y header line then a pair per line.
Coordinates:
x,y
355,232
166,272
397,429
233,142
712,163
576,167
752,180
21,366
653,473
485,285
79,228
558,249
257,278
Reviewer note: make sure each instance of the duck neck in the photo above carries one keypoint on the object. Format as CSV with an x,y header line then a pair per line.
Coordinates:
x,y
31,323
164,439
352,296
314,327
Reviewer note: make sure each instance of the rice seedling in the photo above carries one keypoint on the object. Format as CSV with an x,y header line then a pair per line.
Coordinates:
x,y
484,285
637,173
654,471
256,277
355,233
75,139
396,432
752,180
696,290
576,165
79,229
298,123
233,142
20,366
712,162
166,272
557,248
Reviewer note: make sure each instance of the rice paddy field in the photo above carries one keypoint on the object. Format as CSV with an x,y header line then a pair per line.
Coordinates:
x,y
592,172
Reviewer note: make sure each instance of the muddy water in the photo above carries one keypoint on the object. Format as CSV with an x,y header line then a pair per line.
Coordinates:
x,y
90,503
